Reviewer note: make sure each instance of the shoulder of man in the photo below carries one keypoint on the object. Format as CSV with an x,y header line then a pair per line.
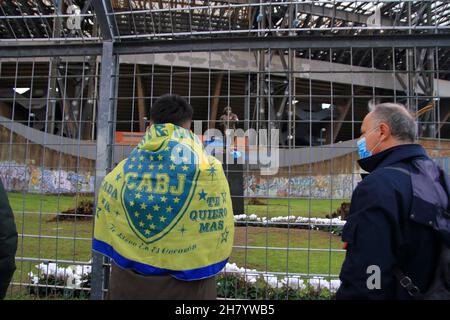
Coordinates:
x,y
391,177
384,189
116,174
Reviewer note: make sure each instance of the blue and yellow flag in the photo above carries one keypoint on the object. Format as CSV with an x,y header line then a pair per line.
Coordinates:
x,y
166,209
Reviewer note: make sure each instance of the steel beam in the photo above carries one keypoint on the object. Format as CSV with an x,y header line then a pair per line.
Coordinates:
x,y
228,43
49,49
292,42
337,125
105,138
323,11
106,19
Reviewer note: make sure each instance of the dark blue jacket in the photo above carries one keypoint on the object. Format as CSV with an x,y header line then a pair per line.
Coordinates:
x,y
8,242
382,228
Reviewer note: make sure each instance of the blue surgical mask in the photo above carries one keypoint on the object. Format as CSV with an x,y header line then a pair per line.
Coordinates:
x,y
362,147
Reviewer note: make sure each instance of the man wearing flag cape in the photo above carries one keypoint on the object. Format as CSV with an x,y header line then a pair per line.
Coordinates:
x,y
164,214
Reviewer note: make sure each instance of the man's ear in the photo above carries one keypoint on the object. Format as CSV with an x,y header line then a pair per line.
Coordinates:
x,y
385,131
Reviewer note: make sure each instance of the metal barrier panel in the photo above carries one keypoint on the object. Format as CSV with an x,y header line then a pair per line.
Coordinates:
x,y
79,78
47,165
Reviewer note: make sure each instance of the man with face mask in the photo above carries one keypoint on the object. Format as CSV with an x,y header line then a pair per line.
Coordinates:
x,y
392,245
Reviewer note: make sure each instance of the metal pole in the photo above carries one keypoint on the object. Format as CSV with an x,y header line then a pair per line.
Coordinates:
x,y
105,135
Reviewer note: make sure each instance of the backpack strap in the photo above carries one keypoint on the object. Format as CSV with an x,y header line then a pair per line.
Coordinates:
x,y
403,279
407,283
399,169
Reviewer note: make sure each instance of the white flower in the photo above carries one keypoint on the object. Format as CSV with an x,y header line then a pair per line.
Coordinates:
x,y
230,267
240,217
70,282
69,272
78,270
33,279
61,273
251,278
319,283
293,282
334,285
272,281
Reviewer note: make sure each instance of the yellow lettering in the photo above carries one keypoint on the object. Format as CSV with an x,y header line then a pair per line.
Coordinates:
x,y
146,182
131,177
180,188
162,183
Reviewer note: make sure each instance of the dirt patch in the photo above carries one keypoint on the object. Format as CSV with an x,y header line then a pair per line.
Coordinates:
x,y
256,202
342,211
84,211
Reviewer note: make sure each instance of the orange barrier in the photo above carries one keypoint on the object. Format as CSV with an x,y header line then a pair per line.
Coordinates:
x,y
133,138
128,138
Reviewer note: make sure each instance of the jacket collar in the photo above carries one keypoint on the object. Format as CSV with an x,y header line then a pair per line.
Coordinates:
x,y
391,156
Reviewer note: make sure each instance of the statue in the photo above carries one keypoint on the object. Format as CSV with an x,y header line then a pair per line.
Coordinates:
x,y
228,120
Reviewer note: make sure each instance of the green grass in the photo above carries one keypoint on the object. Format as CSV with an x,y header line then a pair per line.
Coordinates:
x,y
294,207
31,202
33,220
71,249
312,262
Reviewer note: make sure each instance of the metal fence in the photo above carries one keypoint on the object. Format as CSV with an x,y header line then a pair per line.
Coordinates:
x,y
77,79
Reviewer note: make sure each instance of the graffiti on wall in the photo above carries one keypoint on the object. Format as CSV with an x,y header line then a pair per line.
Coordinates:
x,y
30,178
338,186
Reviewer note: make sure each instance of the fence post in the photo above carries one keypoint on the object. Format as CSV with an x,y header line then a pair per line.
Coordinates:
x,y
105,134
